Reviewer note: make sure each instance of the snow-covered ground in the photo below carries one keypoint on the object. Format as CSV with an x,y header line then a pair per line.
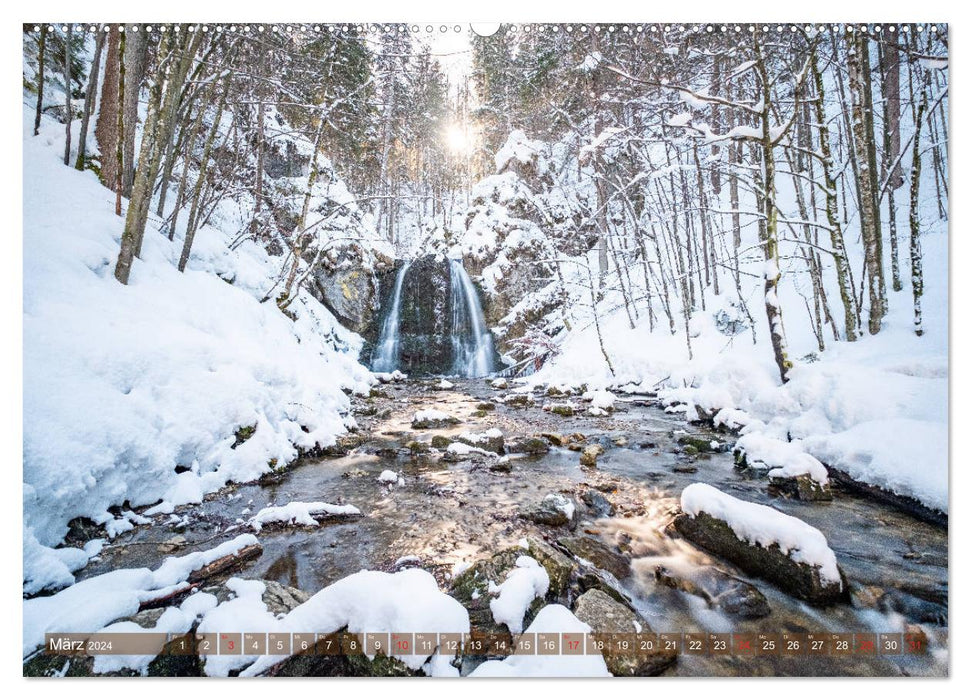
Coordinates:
x,y
125,383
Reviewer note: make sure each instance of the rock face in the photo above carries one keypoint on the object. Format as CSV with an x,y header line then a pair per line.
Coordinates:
x,y
599,554
770,563
348,292
719,590
426,314
607,616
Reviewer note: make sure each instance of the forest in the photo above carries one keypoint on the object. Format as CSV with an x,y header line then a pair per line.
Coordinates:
x,y
542,324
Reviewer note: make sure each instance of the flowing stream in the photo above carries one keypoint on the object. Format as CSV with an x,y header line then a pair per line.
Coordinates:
x,y
443,513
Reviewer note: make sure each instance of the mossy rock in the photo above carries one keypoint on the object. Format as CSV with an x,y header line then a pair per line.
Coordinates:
x,y
485,406
559,567
699,443
769,563
562,409
243,434
441,442
416,447
530,445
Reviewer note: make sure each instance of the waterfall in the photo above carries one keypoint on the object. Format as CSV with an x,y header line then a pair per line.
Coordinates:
x,y
385,356
472,351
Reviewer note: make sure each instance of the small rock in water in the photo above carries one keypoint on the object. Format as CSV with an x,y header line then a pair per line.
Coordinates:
x,y
172,544
719,590
431,418
529,445
684,469
565,410
599,554
555,510
588,458
596,501
802,487
500,383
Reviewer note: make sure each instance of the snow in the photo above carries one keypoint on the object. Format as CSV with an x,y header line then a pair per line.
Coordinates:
x,y
787,458
550,619
388,477
445,384
764,526
523,584
300,513
124,383
430,414
94,602
374,601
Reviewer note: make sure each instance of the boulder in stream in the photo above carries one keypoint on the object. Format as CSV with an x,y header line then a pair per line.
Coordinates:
x,y
607,616
763,542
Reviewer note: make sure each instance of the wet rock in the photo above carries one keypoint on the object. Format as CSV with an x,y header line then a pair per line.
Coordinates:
x,y
485,406
699,443
530,445
803,487
376,393
684,469
588,458
719,589
555,439
598,503
620,441
344,444
502,465
606,616
441,442
172,544
599,554
559,567
769,563
416,447
518,400
425,316
423,420
913,608
491,440
555,510
590,579
562,409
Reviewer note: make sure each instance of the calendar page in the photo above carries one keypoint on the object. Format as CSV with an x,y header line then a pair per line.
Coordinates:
x,y
485,350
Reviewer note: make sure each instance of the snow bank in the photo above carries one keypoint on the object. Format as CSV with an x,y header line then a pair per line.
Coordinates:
x,y
373,601
124,383
787,458
94,602
764,526
522,586
300,513
551,619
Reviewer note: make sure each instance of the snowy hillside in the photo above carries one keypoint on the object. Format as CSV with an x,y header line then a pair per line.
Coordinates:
x,y
136,392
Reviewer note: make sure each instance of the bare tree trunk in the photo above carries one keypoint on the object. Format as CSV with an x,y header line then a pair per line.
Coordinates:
x,y
68,109
916,257
135,58
89,99
770,239
106,126
203,165
41,50
843,273
869,218
120,130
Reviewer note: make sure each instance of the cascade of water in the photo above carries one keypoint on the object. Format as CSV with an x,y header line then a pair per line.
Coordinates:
x,y
472,350
385,356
